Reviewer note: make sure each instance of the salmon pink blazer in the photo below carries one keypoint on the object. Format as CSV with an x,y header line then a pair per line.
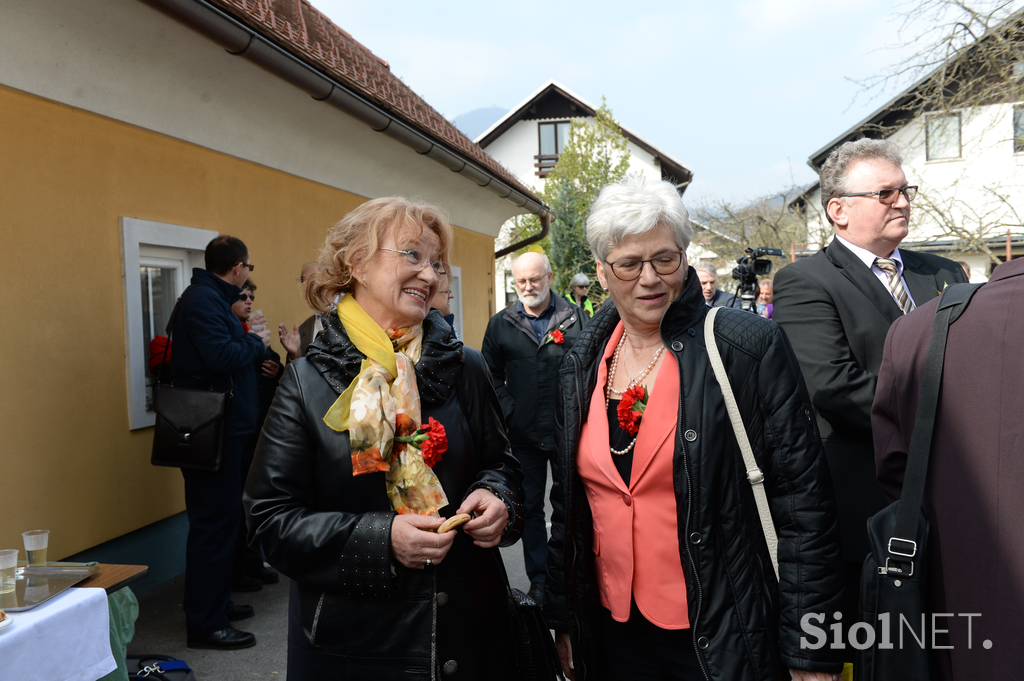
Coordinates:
x,y
636,537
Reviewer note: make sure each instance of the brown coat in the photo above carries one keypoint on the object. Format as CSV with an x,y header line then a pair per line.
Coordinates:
x,y
974,496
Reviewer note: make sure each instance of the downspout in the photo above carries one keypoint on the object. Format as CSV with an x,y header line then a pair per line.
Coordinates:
x,y
240,40
545,224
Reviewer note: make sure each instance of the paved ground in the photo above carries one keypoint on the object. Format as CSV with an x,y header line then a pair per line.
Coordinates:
x,y
161,627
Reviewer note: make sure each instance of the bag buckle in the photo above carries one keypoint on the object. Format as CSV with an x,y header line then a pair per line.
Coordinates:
x,y
887,570
911,545
146,671
755,476
184,438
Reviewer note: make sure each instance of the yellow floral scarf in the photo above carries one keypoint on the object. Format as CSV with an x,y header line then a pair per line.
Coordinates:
x,y
383,402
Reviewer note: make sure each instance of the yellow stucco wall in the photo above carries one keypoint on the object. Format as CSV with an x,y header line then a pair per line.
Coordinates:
x,y
69,462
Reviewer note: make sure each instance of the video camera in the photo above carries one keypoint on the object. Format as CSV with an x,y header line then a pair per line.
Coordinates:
x,y
747,270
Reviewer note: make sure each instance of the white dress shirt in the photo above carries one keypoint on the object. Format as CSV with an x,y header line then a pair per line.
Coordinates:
x,y
868,258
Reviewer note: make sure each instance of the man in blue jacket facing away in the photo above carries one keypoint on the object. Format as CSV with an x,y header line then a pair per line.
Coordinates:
x,y
212,348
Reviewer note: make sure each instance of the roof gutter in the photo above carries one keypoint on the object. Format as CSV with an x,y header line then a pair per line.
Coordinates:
x,y
240,40
545,225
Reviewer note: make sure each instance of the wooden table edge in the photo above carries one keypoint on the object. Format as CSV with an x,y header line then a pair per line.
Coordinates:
x,y
110,577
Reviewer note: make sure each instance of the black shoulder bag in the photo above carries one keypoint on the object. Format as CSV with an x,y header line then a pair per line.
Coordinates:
x,y
894,579
190,422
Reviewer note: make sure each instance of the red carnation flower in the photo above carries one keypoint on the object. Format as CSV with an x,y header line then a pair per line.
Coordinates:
x,y
631,409
557,337
436,443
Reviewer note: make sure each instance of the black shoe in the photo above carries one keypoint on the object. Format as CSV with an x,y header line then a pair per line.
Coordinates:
x,y
238,612
265,575
536,592
243,582
225,639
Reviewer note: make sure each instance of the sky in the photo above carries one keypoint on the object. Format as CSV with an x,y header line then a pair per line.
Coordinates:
x,y
742,92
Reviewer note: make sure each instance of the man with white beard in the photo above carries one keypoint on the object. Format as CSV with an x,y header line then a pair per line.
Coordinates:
x,y
524,344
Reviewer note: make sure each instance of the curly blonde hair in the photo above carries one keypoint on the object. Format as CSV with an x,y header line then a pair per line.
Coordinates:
x,y
358,235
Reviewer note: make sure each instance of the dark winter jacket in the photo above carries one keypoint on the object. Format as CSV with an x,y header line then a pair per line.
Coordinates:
x,y
212,348
524,369
745,624
354,612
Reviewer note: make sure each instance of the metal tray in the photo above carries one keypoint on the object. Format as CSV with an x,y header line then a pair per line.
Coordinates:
x,y
35,585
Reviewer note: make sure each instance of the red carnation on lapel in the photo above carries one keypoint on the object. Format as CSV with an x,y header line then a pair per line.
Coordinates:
x,y
631,409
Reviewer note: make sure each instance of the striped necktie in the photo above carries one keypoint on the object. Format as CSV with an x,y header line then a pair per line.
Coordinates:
x,y
895,283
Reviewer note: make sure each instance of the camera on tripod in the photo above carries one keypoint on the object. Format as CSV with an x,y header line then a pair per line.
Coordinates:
x,y
747,270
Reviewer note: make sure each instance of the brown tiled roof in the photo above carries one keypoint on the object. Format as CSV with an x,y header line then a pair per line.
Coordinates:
x,y
299,28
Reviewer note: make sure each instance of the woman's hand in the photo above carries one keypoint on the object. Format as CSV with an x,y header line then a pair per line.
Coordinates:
x,y
564,648
803,675
290,340
413,543
270,368
489,518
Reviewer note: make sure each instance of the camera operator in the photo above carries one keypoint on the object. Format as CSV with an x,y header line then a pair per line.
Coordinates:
x,y
748,267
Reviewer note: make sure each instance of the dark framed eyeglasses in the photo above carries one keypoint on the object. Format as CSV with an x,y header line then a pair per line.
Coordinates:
x,y
629,269
245,295
889,196
249,265
418,261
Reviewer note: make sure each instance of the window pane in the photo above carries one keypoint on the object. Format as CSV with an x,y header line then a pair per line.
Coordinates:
x,y
943,136
1018,128
158,296
547,139
563,135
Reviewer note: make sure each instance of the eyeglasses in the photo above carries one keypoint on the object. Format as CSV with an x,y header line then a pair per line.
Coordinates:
x,y
246,296
889,196
418,261
447,293
249,265
534,282
666,263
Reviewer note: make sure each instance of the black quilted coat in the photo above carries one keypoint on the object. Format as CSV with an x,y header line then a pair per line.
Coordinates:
x,y
745,623
355,613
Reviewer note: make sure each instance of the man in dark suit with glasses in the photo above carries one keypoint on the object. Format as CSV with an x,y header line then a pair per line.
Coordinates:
x,y
837,306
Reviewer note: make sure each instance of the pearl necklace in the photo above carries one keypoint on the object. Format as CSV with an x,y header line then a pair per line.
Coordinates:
x,y
632,382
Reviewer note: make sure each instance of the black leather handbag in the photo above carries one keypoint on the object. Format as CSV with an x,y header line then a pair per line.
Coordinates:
x,y
894,579
536,658
190,426
190,422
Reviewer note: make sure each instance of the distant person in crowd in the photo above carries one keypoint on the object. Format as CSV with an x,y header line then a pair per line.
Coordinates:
x,y
836,308
967,268
248,572
713,296
764,302
974,494
212,348
658,567
442,301
296,341
346,511
579,285
524,344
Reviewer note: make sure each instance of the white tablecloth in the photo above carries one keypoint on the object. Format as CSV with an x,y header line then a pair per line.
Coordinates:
x,y
67,638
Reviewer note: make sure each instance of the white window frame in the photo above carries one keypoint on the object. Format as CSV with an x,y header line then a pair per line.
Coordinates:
x,y
457,300
136,236
929,118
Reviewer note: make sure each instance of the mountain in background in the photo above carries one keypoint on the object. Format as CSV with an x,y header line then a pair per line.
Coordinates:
x,y
473,123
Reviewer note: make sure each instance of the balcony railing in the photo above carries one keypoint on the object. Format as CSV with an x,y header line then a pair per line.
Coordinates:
x,y
545,163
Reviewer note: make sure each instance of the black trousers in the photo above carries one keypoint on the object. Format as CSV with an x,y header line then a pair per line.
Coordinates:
x,y
535,533
641,651
213,504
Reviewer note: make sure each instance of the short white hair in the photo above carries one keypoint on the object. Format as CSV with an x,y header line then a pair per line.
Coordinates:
x,y
547,261
707,267
579,280
632,206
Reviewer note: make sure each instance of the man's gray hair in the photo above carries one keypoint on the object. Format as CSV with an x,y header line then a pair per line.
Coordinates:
x,y
632,206
579,280
707,267
837,165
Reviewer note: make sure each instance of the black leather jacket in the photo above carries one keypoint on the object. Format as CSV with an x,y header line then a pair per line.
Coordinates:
x,y
745,624
354,612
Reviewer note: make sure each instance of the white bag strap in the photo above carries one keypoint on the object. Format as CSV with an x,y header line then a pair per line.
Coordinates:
x,y
754,473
